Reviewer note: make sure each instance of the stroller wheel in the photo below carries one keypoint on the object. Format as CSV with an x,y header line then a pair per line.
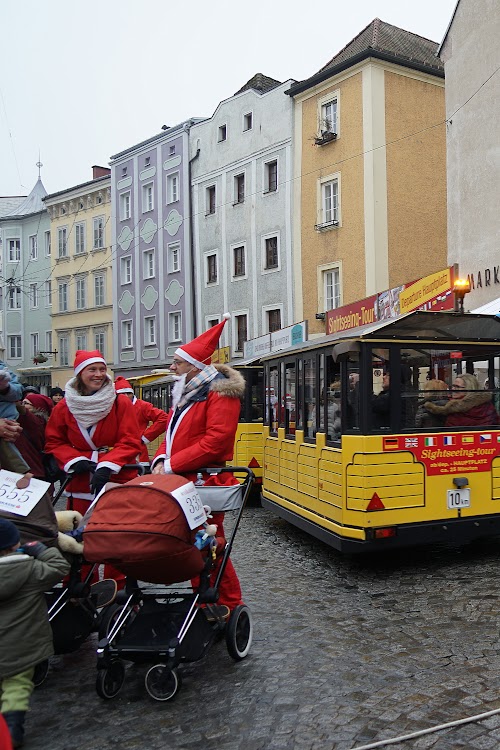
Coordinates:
x,y
108,617
110,681
41,672
239,631
162,683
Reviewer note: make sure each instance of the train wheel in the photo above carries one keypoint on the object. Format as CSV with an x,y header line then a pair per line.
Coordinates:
x,y
110,681
239,631
162,683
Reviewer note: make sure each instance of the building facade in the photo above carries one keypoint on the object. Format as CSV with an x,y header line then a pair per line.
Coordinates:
x,y
81,283
470,54
152,277
369,170
26,299
242,213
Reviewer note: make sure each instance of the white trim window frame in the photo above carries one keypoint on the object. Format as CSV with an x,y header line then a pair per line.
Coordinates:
x,y
15,346
14,298
62,294
63,350
99,233
329,113
266,309
81,339
329,202
173,257
148,197
149,263
125,206
99,289
14,249
48,293
33,296
329,282
33,244
239,261
150,330
48,341
48,244
268,253
239,188
210,200
237,315
222,133
80,238
174,326
100,341
247,121
211,265
34,344
173,187
127,334
62,242
126,270
211,321
270,176
81,293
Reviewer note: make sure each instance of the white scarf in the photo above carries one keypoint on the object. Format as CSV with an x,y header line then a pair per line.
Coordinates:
x,y
88,410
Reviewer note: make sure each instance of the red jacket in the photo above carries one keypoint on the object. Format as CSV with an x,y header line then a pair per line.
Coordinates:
x,y
146,413
203,434
113,442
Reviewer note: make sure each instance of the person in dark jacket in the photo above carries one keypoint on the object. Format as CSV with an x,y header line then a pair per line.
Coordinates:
x,y
436,391
25,633
468,406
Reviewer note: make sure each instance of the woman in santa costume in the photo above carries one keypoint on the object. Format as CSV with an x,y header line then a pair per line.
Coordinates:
x,y
152,421
202,423
93,432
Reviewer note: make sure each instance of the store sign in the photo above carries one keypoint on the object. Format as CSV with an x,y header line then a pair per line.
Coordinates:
x,y
425,290
276,341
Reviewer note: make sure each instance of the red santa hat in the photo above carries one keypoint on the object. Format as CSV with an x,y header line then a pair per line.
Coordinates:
x,y
83,359
199,351
122,385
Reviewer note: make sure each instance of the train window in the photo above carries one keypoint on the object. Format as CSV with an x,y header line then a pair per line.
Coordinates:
x,y
381,380
289,399
321,410
299,403
272,399
333,400
310,397
352,411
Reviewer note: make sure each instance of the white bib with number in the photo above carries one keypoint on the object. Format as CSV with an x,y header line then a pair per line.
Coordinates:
x,y
20,502
191,503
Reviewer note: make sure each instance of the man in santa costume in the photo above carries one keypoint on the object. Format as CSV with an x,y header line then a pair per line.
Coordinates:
x,y
202,423
152,421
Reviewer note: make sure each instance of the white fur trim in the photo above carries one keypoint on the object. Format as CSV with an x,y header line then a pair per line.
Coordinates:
x,y
89,361
192,361
69,544
226,316
167,466
125,390
67,520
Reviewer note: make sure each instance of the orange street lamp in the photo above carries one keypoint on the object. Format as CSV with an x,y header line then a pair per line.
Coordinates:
x,y
461,287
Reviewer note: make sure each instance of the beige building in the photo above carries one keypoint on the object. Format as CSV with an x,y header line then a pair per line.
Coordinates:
x,y
82,309
471,55
369,171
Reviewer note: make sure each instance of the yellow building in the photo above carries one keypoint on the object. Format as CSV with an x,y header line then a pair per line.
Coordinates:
x,y
370,171
81,279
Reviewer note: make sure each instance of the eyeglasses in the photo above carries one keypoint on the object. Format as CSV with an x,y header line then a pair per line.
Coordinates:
x,y
177,362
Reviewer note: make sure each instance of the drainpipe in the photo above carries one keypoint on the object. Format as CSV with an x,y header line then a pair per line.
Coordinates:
x,y
191,242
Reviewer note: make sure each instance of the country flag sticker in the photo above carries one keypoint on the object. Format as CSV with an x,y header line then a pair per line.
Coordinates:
x,y
430,441
467,438
411,442
485,438
391,443
449,440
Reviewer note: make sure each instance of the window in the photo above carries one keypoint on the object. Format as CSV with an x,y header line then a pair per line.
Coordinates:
x,y
99,233
211,269
98,199
63,296
328,122
212,322
222,133
241,331
239,261
99,288
14,250
48,341
62,242
332,288
63,210
147,161
15,351
271,176
81,296
330,202
80,238
99,342
171,150
124,171
47,244
150,330
174,326
270,253
273,320
239,189
126,270
64,351
34,344
48,293
147,197
148,264
211,200
81,340
247,121
14,298
33,240
173,187
33,296
124,206
174,257
127,340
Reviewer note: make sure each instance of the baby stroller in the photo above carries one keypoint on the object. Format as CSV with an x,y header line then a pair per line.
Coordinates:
x,y
162,628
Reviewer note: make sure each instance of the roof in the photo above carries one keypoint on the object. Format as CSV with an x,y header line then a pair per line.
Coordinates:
x,y
447,29
490,308
9,203
383,41
185,125
32,204
259,82
95,182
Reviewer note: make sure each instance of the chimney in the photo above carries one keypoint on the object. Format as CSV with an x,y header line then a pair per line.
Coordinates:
x,y
99,171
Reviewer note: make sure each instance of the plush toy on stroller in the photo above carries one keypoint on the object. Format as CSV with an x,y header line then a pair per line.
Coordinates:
x,y
154,529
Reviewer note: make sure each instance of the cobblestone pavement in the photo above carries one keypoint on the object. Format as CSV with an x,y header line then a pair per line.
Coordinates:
x,y
347,651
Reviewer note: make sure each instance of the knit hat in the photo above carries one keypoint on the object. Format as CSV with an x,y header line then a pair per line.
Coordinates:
x,y
56,392
9,534
83,359
122,385
199,351
44,403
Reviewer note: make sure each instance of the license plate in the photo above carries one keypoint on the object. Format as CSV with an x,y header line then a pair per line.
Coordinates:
x,y
458,499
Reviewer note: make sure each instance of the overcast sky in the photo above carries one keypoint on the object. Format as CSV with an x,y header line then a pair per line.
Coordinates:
x,y
82,81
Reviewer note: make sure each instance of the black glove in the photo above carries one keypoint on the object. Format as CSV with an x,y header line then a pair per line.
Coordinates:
x,y
82,466
99,479
33,549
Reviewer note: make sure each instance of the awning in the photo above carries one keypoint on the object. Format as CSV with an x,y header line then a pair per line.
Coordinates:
x,y
490,308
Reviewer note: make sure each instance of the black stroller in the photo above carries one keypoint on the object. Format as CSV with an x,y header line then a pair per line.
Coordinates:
x,y
165,627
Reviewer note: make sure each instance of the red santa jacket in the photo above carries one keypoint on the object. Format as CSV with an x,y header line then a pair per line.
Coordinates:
x,y
203,433
113,442
146,413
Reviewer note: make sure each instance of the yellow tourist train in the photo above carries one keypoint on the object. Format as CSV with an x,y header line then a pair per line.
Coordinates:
x,y
387,435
